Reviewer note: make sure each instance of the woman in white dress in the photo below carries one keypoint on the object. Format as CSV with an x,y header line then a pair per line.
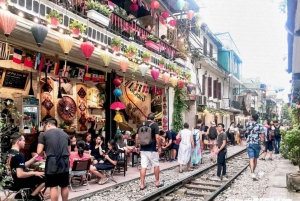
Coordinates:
x,y
186,147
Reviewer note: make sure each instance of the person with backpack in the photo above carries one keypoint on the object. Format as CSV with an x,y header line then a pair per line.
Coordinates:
x,y
269,139
277,136
148,137
197,137
212,136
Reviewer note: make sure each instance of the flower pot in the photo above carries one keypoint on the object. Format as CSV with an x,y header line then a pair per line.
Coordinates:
x,y
97,17
152,45
130,54
147,60
54,22
76,32
162,65
169,70
116,48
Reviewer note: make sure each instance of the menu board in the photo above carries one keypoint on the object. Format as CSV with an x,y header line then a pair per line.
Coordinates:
x,y
15,79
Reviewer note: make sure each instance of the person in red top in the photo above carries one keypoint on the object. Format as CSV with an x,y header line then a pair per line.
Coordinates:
x,y
79,155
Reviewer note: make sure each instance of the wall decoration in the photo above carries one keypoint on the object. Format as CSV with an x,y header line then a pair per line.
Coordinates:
x,y
93,98
81,97
47,101
66,108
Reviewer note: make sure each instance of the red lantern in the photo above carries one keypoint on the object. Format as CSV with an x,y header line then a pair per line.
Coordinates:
x,y
173,23
155,4
87,49
165,14
190,14
134,7
117,82
181,84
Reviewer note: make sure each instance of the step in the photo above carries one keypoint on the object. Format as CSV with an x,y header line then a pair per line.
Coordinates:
x,y
200,187
206,183
198,194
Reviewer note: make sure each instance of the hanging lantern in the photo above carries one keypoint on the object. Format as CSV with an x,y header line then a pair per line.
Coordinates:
x,y
165,77
190,88
143,69
173,23
133,7
117,82
39,33
165,14
155,4
87,49
181,84
190,14
173,81
106,57
155,73
66,43
124,64
180,4
117,92
8,22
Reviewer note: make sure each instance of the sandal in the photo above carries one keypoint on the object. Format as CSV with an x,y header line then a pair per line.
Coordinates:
x,y
180,171
103,181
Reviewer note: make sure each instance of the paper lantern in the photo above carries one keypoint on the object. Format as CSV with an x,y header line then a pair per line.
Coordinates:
x,y
133,7
143,69
181,84
8,22
165,14
39,33
117,92
155,4
173,23
180,4
106,57
117,82
190,88
190,14
66,43
173,81
165,77
124,64
87,49
155,73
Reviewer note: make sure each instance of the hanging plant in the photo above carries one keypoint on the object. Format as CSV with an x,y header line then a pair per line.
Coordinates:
x,y
100,8
178,71
54,15
187,76
179,108
146,57
116,44
131,51
162,62
152,38
77,25
171,67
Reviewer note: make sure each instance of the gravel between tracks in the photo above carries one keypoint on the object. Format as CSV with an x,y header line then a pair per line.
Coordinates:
x,y
131,190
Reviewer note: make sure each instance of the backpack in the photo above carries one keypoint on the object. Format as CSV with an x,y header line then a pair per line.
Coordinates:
x,y
145,135
277,132
271,135
212,133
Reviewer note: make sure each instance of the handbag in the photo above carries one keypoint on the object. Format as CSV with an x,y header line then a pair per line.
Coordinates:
x,y
177,141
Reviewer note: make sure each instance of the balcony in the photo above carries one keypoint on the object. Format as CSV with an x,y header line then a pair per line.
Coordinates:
x,y
236,104
213,63
231,106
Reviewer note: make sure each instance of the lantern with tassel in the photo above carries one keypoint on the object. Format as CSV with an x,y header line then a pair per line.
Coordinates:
x,y
180,4
117,82
155,4
133,7
31,92
87,49
155,73
181,84
165,77
190,88
173,81
117,92
124,64
39,33
165,14
106,57
173,23
8,22
143,69
190,14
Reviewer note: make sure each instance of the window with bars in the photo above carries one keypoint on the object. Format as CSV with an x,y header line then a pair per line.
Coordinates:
x,y
211,50
204,46
209,87
203,84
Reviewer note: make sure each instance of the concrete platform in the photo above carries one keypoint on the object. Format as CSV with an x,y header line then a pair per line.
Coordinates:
x,y
277,182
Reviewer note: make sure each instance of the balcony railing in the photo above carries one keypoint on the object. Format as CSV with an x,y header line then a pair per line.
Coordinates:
x,y
235,104
214,63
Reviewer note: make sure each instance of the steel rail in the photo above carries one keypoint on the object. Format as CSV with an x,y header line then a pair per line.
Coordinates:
x,y
170,188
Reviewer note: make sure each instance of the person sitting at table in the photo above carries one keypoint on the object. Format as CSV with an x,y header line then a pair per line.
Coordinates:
x,y
73,143
87,137
22,177
110,161
97,149
33,146
79,155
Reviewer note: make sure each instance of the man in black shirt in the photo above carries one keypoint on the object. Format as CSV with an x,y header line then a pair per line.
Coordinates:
x,y
21,176
149,152
221,151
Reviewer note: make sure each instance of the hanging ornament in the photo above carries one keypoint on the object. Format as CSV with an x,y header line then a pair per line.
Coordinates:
x,y
190,14
173,23
133,7
39,33
143,69
181,84
117,92
190,88
165,77
123,63
173,81
106,57
155,73
87,49
165,14
155,4
180,4
117,82
8,22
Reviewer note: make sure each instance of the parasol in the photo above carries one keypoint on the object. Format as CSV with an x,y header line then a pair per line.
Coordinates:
x,y
117,106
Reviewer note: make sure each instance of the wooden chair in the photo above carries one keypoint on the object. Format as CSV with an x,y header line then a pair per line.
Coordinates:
x,y
122,162
80,168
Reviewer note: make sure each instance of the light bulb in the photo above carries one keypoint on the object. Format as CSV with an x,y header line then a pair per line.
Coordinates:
x,y
21,14
36,20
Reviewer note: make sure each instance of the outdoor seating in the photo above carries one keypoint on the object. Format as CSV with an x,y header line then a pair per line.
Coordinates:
x,y
80,168
23,191
122,162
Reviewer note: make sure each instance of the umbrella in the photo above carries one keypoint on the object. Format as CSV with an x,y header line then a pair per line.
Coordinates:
x,y
117,106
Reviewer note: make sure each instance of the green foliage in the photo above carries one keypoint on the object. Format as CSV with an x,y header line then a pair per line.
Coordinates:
x,y
79,25
54,14
289,147
120,11
100,8
131,49
179,108
162,61
115,42
171,66
152,38
146,55
296,115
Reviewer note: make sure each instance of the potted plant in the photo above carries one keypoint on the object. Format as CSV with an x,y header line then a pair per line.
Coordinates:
x,y
98,12
116,44
152,43
162,63
131,51
54,18
177,71
171,67
188,76
77,27
146,57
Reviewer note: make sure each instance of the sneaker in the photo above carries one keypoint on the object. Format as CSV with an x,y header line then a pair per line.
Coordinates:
x,y
216,178
224,178
84,182
253,176
129,164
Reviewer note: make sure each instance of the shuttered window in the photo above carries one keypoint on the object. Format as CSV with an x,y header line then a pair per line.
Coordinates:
x,y
211,50
215,88
203,84
204,46
220,91
209,87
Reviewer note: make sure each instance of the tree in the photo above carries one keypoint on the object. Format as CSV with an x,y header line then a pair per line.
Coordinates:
x,y
286,114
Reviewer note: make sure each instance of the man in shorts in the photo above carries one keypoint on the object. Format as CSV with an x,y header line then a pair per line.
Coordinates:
x,y
149,152
57,148
256,135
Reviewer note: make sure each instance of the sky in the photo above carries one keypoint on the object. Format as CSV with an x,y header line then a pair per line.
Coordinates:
x,y
258,30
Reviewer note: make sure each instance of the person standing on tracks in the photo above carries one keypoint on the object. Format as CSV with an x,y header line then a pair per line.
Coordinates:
x,y
221,152
256,135
212,135
148,137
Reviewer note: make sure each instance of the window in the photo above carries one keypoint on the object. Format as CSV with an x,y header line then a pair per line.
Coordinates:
x,y
203,84
215,88
204,46
209,86
220,91
211,50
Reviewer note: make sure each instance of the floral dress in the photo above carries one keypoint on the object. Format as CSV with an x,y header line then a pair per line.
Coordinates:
x,y
196,155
